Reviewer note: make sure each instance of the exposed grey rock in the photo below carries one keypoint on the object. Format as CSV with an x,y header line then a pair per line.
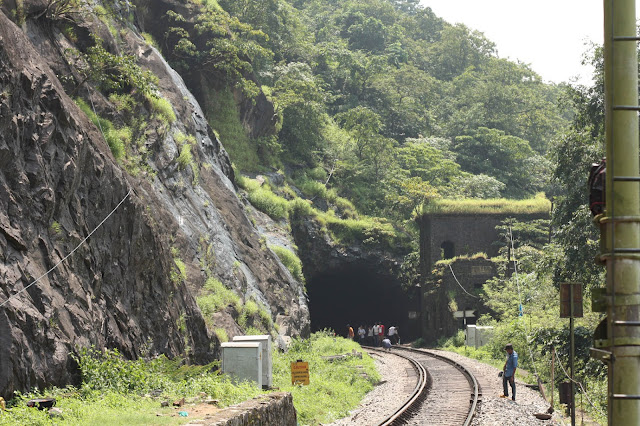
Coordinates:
x,y
58,181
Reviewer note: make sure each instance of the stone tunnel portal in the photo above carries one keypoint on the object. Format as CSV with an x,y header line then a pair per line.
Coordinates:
x,y
357,296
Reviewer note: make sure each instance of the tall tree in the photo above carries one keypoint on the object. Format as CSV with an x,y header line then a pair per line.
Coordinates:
x,y
494,153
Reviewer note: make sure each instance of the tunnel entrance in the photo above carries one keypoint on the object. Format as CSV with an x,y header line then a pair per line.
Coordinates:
x,y
358,296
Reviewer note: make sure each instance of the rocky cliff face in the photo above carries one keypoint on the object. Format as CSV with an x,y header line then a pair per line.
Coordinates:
x,y
119,288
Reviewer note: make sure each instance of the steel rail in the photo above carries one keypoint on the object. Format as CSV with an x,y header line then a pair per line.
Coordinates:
x,y
473,382
422,387
419,393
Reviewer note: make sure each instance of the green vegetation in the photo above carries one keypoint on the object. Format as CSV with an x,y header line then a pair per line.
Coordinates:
x,y
216,42
221,334
382,111
451,261
368,230
113,388
353,229
335,387
215,297
179,270
290,260
267,202
110,72
224,117
162,108
185,158
355,88
501,206
115,138
521,313
150,40
55,228
254,316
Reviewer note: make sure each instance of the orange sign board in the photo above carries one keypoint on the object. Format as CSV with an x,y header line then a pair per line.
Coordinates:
x,y
300,373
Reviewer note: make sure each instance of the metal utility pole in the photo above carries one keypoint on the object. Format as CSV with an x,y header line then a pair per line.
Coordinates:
x,y
571,307
621,222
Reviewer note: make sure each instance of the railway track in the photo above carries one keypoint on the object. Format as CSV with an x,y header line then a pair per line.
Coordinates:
x,y
446,393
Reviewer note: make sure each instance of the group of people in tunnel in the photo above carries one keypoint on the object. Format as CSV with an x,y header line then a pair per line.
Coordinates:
x,y
374,335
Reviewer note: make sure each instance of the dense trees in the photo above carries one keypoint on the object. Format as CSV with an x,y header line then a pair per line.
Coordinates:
x,y
399,104
395,106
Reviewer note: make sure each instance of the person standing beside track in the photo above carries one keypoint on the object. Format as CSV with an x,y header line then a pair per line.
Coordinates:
x,y
349,332
361,334
376,334
509,369
370,335
392,335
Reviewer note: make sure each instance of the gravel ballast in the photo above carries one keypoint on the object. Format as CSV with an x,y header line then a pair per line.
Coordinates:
x,y
398,382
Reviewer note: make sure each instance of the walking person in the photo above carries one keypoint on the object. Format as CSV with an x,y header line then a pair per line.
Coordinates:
x,y
509,372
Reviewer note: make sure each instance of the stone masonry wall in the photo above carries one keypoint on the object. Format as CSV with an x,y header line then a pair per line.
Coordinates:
x,y
448,236
274,409
443,292
467,233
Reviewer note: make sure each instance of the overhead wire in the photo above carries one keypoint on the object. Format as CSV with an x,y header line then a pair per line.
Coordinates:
x,y
520,306
515,266
81,242
70,253
463,289
584,392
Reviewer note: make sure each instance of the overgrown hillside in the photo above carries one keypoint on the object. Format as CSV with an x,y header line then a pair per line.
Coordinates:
x,y
340,117
393,103
119,216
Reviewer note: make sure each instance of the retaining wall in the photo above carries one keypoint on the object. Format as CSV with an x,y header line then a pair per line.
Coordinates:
x,y
274,409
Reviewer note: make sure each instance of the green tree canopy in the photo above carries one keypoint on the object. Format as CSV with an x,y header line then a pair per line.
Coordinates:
x,y
494,153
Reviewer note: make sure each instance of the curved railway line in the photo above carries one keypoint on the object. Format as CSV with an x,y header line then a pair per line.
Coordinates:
x,y
446,393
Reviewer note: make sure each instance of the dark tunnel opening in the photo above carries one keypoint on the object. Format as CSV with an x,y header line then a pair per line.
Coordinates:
x,y
357,296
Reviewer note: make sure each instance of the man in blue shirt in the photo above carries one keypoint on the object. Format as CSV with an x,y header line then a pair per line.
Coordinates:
x,y
510,372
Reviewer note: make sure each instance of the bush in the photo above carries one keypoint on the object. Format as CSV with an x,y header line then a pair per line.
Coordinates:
x,y
290,260
108,370
300,208
335,387
456,341
179,271
221,334
185,158
215,297
269,203
312,188
111,135
124,103
317,173
162,107
369,231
